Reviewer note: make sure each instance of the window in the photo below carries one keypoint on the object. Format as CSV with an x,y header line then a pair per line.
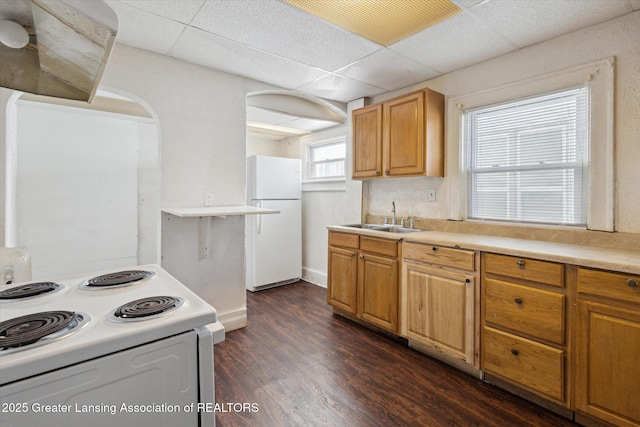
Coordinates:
x,y
527,161
325,160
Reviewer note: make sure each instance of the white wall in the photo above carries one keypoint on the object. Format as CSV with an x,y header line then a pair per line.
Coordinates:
x,y
201,113
619,37
77,189
324,204
263,145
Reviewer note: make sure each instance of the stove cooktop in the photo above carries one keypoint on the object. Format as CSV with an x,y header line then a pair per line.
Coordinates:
x,y
100,335
24,332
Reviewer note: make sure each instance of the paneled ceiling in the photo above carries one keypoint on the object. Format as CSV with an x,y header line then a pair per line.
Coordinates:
x,y
273,42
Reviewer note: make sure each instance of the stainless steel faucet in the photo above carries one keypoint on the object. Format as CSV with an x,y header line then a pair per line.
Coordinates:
x,y
394,221
411,221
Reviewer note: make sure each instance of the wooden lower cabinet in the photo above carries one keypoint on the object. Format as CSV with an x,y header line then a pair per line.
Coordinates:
x,y
342,273
524,313
438,300
378,290
438,309
363,278
533,365
608,347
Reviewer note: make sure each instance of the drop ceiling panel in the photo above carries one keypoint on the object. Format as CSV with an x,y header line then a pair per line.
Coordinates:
x,y
340,88
144,30
282,30
527,23
388,70
222,54
177,10
453,44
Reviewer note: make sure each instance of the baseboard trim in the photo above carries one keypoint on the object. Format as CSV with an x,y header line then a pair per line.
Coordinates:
x,y
313,276
232,320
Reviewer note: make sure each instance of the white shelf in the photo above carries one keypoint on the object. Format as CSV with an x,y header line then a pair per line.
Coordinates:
x,y
207,213
218,211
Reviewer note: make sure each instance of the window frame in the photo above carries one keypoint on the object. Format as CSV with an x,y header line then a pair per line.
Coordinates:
x,y
309,162
598,76
576,171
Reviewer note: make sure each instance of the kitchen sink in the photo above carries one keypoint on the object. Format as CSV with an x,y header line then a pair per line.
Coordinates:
x,y
385,227
379,227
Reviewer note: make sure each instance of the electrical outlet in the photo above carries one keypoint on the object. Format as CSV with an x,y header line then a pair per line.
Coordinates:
x,y
431,195
208,199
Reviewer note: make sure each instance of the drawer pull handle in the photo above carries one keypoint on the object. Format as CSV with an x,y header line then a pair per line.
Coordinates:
x,y
520,263
518,300
633,283
515,352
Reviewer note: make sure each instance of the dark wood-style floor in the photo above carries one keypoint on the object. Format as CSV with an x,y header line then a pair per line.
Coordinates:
x,y
301,365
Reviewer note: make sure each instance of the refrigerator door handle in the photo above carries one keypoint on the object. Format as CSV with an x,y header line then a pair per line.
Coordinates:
x,y
259,217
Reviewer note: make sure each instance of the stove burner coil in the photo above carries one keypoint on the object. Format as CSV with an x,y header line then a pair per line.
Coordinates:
x,y
145,307
25,330
28,290
117,279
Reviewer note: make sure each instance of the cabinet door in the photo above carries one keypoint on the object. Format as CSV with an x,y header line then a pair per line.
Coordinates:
x,y
608,363
403,140
378,291
341,286
367,142
438,309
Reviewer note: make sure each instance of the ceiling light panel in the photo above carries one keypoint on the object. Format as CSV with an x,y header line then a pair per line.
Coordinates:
x,y
381,21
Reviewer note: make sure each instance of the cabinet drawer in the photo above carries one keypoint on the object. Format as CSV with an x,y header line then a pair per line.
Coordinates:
x,y
343,239
533,365
545,272
535,312
621,286
379,246
433,254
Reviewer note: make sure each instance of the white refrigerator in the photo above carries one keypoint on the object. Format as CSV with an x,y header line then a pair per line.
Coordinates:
x,y
273,241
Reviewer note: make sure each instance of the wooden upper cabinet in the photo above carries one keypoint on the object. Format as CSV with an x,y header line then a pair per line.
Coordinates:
x,y
400,137
367,142
403,137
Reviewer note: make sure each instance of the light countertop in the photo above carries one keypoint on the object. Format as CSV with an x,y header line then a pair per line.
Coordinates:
x,y
623,260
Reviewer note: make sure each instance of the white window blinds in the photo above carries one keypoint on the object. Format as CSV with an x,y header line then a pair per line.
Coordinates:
x,y
527,160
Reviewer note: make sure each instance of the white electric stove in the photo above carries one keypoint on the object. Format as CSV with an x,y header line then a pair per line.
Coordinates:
x,y
127,347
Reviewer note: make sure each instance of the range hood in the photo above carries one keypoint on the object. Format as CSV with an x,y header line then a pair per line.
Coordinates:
x,y
69,45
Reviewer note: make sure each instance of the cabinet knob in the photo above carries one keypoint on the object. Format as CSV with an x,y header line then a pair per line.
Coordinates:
x,y
518,300
467,280
520,263
515,352
361,256
633,283
434,249
377,173
353,254
387,172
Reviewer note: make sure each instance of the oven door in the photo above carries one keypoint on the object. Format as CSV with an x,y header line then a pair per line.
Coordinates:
x,y
154,384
